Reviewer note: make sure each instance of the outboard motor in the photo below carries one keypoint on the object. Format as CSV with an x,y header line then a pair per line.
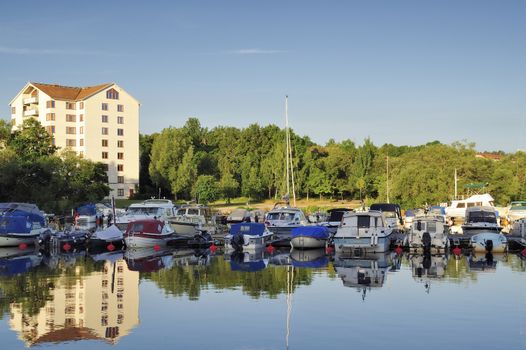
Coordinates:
x,y
426,241
489,245
237,242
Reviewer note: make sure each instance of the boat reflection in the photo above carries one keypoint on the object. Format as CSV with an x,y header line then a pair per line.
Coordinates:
x,y
365,271
250,261
88,299
427,267
487,262
310,258
14,261
149,259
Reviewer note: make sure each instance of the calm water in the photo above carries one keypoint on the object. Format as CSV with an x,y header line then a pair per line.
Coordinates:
x,y
188,299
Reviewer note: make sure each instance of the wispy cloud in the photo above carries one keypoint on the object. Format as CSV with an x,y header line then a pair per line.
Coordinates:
x,y
254,52
44,51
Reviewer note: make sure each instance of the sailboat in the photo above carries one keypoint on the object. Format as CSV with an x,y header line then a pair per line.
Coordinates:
x,y
282,219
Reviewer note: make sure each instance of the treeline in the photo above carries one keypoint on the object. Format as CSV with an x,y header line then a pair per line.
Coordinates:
x,y
33,170
193,162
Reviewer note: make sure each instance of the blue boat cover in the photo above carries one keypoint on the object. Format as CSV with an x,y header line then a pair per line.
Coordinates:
x,y
247,228
251,266
322,261
87,210
320,232
16,220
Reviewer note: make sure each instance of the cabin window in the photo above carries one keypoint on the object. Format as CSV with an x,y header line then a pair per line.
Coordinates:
x,y
193,211
461,205
471,205
138,227
364,221
431,227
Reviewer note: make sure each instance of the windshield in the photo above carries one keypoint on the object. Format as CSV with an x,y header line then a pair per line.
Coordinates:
x,y
281,216
389,214
481,216
143,211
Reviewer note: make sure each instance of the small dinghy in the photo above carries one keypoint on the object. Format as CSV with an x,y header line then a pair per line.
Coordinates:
x,y
248,236
309,237
111,236
489,242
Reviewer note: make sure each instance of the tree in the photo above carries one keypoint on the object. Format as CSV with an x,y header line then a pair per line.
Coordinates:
x,y
32,140
206,189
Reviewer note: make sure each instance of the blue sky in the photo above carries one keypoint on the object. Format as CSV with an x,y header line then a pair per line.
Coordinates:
x,y
402,72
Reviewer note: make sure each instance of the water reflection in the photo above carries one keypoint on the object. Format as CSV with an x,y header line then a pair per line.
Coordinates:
x,y
427,267
365,271
311,258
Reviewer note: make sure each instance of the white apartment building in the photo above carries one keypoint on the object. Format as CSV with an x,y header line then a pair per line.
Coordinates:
x,y
100,123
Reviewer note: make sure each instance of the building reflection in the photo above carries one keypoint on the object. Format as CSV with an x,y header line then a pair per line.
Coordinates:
x,y
102,305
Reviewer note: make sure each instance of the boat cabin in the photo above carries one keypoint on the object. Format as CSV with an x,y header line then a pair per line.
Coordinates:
x,y
147,226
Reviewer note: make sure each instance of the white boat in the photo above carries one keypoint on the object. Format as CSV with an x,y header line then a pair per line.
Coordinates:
x,y
103,238
334,219
516,211
160,209
480,219
192,219
282,220
238,215
457,209
309,237
20,223
248,236
148,233
427,233
392,215
86,215
489,242
364,231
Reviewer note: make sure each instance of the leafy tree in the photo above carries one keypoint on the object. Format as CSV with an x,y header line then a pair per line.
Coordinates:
x,y
32,140
206,189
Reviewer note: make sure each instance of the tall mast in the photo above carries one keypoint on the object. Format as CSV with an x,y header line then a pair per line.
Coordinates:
x,y
387,179
287,142
456,180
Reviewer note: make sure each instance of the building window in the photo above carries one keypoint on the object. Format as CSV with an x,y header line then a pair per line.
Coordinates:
x,y
81,142
81,118
53,141
120,192
50,104
50,116
120,155
112,94
104,118
13,110
120,167
104,155
120,108
120,120
50,129
105,167
104,143
71,142
120,179
81,130
120,132
104,131
70,105
81,105
71,118
120,143
71,130
104,106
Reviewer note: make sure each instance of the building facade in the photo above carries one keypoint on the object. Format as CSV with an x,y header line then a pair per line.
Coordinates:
x,y
100,123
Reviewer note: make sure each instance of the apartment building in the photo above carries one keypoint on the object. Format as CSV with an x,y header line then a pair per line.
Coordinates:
x,y
100,123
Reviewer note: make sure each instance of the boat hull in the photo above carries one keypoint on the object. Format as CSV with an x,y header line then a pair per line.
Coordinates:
x,y
143,241
306,242
13,240
252,243
489,242
344,245
184,228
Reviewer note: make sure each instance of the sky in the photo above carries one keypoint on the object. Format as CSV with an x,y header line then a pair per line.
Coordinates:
x,y
400,72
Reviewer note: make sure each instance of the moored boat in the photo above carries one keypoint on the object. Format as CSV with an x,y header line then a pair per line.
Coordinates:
x,y
148,233
363,231
309,237
20,223
480,219
489,242
427,233
111,236
192,219
282,220
159,209
248,236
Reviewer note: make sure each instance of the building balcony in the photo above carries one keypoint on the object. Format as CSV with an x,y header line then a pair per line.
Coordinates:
x,y
31,112
30,100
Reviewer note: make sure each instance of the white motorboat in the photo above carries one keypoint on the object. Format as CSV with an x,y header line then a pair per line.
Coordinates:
x,y
309,237
282,220
20,223
363,231
427,233
334,219
248,236
148,233
192,219
480,219
160,209
516,211
489,242
392,215
457,209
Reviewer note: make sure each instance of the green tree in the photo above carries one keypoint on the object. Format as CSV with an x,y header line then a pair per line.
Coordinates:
x,y
206,189
32,140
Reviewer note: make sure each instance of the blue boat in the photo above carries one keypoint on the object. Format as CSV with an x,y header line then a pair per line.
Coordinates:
x,y
309,237
20,223
248,236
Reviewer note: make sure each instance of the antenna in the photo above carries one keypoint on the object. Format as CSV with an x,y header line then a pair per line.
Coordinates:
x,y
287,140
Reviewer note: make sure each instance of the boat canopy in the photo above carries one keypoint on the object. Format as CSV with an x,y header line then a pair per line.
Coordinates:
x,y
336,214
385,207
247,228
320,232
19,217
111,232
87,210
148,226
